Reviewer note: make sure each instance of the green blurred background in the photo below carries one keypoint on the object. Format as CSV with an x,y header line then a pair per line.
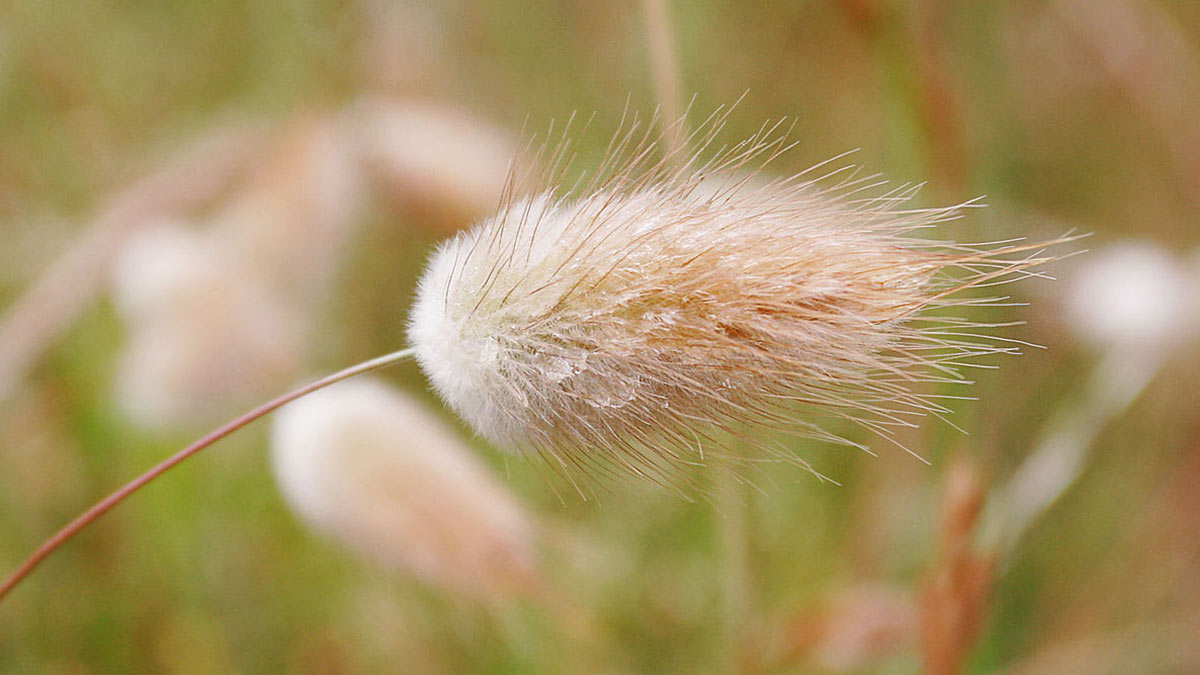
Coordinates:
x,y
1066,114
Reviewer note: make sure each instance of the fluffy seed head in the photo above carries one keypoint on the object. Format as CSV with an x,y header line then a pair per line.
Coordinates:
x,y
375,470
217,314
203,334
1133,295
436,162
638,315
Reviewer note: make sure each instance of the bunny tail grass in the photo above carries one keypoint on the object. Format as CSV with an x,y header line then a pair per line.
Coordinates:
x,y
101,507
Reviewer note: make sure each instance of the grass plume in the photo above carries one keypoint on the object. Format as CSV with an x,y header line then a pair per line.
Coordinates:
x,y
638,315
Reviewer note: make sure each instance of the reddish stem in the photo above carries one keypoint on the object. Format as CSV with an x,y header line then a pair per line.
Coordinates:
x,y
102,507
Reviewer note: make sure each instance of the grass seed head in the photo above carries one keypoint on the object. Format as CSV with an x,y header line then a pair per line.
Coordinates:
x,y
639,316
1131,295
378,472
202,334
435,162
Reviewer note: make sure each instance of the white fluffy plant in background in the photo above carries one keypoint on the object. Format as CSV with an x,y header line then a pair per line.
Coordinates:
x,y
436,163
637,317
218,312
202,332
294,216
373,469
1131,295
1134,304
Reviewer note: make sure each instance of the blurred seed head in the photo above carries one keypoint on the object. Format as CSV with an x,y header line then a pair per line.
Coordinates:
x,y
373,469
637,317
203,336
291,219
217,316
435,161
1132,294
155,264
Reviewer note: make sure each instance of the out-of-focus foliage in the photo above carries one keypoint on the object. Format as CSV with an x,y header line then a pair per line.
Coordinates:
x,y
1066,114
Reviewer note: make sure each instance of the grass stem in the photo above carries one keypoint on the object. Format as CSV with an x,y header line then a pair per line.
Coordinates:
x,y
103,506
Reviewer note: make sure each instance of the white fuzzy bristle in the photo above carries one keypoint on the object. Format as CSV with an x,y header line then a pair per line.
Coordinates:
x,y
638,316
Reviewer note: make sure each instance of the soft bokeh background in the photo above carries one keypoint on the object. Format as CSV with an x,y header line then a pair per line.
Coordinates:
x,y
1066,114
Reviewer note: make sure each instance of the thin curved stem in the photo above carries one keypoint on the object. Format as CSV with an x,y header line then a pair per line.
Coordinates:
x,y
102,507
